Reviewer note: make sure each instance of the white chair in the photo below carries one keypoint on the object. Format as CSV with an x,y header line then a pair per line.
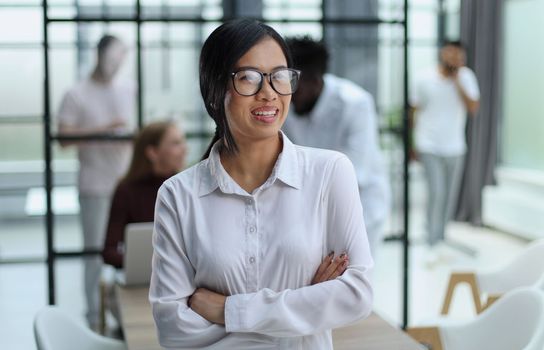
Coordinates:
x,y
54,330
540,283
515,321
524,270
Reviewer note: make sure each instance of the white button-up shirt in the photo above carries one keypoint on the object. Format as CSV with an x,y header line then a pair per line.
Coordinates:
x,y
260,249
344,119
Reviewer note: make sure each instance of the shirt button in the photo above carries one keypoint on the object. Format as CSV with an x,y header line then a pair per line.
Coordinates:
x,y
252,260
252,229
249,201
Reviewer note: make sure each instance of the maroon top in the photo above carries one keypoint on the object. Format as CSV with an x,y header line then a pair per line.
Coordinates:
x,y
132,202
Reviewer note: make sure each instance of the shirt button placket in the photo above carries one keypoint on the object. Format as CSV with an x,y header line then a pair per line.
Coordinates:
x,y
253,245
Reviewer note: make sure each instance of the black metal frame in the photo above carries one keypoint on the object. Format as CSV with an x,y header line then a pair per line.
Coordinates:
x,y
138,19
406,197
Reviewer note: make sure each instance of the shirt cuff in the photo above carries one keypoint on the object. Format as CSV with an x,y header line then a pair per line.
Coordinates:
x,y
235,311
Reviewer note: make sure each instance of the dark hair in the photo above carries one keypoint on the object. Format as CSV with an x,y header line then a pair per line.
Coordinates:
x,y
309,55
105,42
220,52
150,135
454,43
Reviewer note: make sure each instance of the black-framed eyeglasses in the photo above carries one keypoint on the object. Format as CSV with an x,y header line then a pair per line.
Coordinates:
x,y
248,82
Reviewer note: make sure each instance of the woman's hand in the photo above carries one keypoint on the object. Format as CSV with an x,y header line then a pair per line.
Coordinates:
x,y
209,305
331,268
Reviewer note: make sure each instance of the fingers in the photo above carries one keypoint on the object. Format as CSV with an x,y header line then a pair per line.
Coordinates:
x,y
334,265
340,269
322,267
331,268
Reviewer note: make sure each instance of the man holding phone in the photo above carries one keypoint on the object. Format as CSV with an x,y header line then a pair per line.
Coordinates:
x,y
441,99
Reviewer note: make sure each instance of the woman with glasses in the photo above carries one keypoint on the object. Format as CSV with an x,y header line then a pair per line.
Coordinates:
x,y
262,244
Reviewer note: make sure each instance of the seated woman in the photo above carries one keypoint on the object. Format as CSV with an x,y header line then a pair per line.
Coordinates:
x,y
159,153
261,245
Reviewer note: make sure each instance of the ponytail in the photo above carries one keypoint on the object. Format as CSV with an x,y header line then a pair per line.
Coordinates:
x,y
223,134
216,137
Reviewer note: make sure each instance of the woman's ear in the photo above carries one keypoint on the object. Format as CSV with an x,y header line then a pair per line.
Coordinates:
x,y
151,154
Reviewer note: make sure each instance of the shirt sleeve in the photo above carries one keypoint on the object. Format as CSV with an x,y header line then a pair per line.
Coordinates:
x,y
361,139
468,81
361,145
172,283
115,232
68,114
326,305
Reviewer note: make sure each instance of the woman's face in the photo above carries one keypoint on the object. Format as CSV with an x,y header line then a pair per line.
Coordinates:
x,y
260,116
169,155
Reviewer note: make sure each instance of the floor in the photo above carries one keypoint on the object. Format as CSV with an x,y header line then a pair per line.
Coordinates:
x,y
23,286
471,248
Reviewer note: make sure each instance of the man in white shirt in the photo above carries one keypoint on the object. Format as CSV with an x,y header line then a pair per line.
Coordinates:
x,y
441,98
334,113
100,104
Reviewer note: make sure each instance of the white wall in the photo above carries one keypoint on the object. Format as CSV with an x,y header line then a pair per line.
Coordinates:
x,y
523,92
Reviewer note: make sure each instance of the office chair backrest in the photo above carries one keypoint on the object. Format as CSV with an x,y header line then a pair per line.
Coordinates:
x,y
54,330
524,270
515,321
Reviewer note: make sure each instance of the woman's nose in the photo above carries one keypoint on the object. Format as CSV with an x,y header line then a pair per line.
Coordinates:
x,y
267,92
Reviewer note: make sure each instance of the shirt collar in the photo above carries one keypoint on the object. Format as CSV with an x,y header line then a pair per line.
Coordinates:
x,y
213,175
287,168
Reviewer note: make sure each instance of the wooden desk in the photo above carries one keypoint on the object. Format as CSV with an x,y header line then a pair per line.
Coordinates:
x,y
371,334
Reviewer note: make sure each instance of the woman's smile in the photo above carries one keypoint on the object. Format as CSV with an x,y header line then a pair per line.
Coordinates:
x,y
265,114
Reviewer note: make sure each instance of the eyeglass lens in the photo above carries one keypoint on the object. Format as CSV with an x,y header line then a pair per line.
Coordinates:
x,y
249,82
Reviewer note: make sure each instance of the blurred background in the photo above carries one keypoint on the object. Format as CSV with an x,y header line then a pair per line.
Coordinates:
x,y
366,41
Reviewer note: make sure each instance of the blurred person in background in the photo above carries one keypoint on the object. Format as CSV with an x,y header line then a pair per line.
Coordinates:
x,y
159,153
98,105
334,113
441,98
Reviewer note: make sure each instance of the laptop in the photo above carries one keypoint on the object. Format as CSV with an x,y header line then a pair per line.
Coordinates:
x,y
137,257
